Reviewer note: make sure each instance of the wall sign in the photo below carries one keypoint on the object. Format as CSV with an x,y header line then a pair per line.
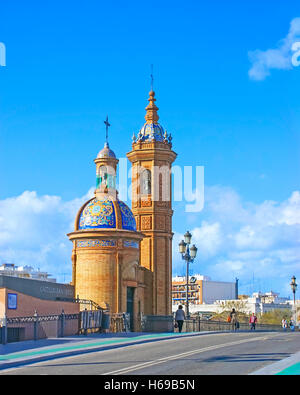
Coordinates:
x,y
12,301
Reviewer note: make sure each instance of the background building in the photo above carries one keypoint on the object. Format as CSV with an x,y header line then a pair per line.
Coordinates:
x,y
258,303
202,290
10,269
21,297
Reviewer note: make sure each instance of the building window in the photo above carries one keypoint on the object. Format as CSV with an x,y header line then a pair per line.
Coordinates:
x,y
146,182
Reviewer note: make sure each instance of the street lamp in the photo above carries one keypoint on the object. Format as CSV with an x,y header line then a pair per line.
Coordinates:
x,y
188,254
294,289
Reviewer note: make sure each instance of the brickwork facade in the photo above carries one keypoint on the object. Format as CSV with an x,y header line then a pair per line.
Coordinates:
x,y
151,161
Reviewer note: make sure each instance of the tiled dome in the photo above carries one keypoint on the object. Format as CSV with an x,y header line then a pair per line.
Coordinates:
x,y
150,132
104,212
106,152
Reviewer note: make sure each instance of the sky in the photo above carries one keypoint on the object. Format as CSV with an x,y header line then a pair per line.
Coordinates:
x,y
226,88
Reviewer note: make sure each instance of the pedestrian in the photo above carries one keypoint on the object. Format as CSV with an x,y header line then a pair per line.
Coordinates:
x,y
284,324
233,320
180,317
253,321
291,325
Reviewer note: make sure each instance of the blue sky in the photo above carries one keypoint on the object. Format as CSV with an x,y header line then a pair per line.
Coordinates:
x,y
224,90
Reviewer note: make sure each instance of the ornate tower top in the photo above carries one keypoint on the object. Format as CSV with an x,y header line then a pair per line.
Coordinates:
x,y
106,168
151,116
152,131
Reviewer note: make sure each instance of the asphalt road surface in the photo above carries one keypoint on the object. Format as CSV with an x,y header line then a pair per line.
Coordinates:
x,y
206,354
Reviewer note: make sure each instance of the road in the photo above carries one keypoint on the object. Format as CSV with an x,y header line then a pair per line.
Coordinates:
x,y
206,354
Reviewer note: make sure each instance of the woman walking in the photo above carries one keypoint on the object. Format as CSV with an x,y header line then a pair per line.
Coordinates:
x,y
179,318
253,321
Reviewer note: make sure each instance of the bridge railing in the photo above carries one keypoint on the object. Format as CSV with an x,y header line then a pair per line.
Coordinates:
x,y
35,327
198,325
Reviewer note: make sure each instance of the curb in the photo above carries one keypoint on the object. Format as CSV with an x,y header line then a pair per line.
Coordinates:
x,y
286,366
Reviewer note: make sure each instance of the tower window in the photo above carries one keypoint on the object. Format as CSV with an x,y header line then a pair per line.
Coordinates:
x,y
101,176
146,182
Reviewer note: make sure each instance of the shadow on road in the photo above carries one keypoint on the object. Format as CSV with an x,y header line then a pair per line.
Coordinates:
x,y
265,357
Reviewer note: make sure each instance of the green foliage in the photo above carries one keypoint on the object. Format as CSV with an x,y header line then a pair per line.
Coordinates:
x,y
275,316
226,307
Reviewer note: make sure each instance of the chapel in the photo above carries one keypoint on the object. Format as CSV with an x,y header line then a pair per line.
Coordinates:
x,y
122,257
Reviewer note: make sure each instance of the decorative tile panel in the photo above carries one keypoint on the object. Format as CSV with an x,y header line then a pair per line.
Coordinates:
x,y
128,220
95,243
130,244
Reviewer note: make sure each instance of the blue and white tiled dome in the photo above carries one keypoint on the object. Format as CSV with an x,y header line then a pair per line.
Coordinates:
x,y
106,213
151,132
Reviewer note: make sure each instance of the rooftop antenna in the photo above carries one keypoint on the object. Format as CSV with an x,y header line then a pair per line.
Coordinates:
x,y
107,126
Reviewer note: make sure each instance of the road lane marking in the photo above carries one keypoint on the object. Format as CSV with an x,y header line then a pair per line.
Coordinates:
x,y
182,355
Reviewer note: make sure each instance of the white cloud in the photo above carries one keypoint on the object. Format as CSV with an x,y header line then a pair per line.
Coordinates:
x,y
33,231
279,58
237,238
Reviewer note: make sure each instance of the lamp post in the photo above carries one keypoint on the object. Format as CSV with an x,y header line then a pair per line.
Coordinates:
x,y
188,254
294,289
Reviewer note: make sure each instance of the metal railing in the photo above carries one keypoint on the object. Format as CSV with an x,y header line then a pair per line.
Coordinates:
x,y
35,327
87,302
198,325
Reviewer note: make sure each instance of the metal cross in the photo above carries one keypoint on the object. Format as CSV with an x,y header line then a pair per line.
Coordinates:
x,y
107,126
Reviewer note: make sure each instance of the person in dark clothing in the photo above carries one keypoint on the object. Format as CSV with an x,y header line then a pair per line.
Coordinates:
x,y
179,318
233,320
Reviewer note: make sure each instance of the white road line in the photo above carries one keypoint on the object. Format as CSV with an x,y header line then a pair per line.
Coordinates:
x,y
182,355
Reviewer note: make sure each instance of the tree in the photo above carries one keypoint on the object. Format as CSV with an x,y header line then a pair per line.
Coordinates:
x,y
226,306
275,316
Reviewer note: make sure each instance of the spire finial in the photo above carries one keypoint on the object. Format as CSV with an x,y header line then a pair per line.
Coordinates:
x,y
107,126
152,78
151,115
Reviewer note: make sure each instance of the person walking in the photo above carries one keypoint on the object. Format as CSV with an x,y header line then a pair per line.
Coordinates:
x,y
233,320
252,322
284,324
180,317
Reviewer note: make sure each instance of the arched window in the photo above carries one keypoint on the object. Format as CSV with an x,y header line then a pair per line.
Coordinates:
x,y
146,182
101,176
106,177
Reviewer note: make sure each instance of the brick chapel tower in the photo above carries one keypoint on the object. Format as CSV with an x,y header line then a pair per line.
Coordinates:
x,y
106,247
151,159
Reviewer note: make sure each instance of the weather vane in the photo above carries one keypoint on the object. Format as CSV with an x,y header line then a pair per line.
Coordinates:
x,y
107,126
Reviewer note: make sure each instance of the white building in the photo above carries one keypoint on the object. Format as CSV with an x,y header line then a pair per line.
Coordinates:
x,y
257,303
202,290
265,302
10,269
